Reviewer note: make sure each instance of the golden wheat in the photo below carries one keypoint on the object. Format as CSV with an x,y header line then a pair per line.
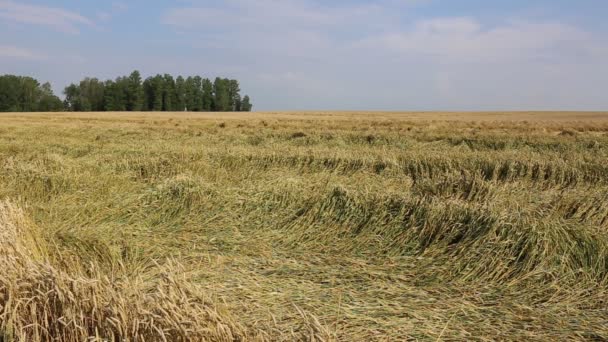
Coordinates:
x,y
304,226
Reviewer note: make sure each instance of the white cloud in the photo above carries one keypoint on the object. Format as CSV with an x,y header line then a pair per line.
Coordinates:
x,y
56,18
104,16
276,29
268,14
119,6
308,55
466,40
307,29
18,53
116,8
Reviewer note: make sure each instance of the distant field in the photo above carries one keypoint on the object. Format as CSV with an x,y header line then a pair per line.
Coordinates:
x,y
589,117
322,226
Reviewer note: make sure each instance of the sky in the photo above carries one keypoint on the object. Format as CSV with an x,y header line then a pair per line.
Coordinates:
x,y
328,55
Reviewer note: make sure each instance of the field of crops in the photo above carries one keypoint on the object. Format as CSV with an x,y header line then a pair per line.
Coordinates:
x,y
304,226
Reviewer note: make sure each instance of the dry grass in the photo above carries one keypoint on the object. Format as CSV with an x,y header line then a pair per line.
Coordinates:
x,y
40,302
304,226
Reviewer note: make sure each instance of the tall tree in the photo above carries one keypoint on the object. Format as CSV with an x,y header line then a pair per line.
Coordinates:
x,y
233,94
148,94
153,88
125,93
48,101
9,93
190,91
168,93
91,95
158,85
207,93
180,92
72,98
28,96
134,92
19,94
221,100
115,95
246,105
197,93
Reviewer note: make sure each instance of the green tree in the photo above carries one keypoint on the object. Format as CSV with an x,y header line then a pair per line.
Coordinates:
x,y
134,92
19,94
91,95
221,99
48,101
207,94
189,94
168,93
148,95
246,105
9,93
28,94
233,94
158,85
197,93
128,93
115,99
153,90
180,91
88,95
72,98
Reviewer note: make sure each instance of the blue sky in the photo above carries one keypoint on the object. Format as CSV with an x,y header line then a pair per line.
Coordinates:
x,y
333,55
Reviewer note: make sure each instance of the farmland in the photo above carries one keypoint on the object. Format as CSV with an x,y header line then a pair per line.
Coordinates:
x,y
321,226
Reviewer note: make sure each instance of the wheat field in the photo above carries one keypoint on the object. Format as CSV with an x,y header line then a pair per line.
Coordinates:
x,y
317,226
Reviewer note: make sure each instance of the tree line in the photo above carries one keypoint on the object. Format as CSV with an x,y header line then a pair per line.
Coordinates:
x,y
25,94
126,93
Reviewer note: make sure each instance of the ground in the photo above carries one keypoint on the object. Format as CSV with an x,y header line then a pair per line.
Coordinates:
x,y
312,226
